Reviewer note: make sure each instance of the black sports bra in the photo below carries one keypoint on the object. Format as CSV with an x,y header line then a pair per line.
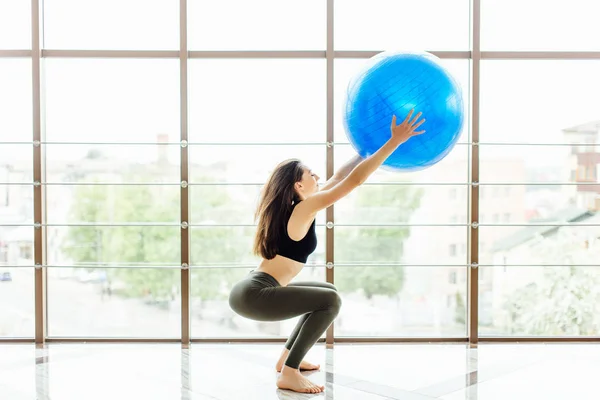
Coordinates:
x,y
298,250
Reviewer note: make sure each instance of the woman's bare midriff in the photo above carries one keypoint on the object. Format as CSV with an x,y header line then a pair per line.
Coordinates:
x,y
281,268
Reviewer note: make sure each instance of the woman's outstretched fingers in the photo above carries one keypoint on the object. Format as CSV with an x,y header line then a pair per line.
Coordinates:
x,y
419,124
416,118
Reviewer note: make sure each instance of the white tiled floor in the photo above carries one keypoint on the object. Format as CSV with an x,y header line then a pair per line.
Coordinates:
x,y
246,372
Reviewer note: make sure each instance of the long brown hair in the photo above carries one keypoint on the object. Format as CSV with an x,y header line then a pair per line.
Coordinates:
x,y
275,206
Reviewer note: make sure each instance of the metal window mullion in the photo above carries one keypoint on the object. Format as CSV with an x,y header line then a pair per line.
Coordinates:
x,y
249,54
15,53
540,55
473,232
329,234
370,53
39,191
300,54
184,169
110,54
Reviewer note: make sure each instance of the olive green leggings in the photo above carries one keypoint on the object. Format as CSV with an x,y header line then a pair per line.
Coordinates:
x,y
260,297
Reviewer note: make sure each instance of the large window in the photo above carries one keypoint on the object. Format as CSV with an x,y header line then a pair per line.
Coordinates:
x,y
539,130
260,101
514,25
391,239
111,25
257,25
15,25
128,121
395,25
112,197
401,301
16,200
271,110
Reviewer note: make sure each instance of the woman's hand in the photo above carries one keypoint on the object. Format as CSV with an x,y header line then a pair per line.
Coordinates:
x,y
407,128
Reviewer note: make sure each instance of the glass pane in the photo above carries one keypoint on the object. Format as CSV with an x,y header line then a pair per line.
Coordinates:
x,y
526,163
114,302
16,208
389,204
545,168
452,169
214,246
106,100
544,200
257,25
513,204
249,164
416,245
16,242
401,301
111,25
223,204
281,101
346,68
211,315
16,169
539,25
115,245
15,26
227,204
518,204
392,24
541,301
17,292
538,101
107,204
110,163
15,98
544,245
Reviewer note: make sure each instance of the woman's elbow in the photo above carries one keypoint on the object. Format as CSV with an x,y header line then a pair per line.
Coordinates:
x,y
356,181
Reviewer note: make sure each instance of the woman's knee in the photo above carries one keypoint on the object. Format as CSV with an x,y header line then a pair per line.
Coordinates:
x,y
334,301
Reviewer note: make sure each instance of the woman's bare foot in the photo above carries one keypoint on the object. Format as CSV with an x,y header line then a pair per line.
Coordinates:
x,y
292,379
304,365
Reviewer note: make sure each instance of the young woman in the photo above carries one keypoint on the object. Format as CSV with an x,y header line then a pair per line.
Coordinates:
x,y
285,238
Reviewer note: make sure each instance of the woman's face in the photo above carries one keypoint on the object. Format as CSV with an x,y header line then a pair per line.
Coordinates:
x,y
309,184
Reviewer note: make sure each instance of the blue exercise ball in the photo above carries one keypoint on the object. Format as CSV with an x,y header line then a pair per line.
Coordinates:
x,y
394,83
